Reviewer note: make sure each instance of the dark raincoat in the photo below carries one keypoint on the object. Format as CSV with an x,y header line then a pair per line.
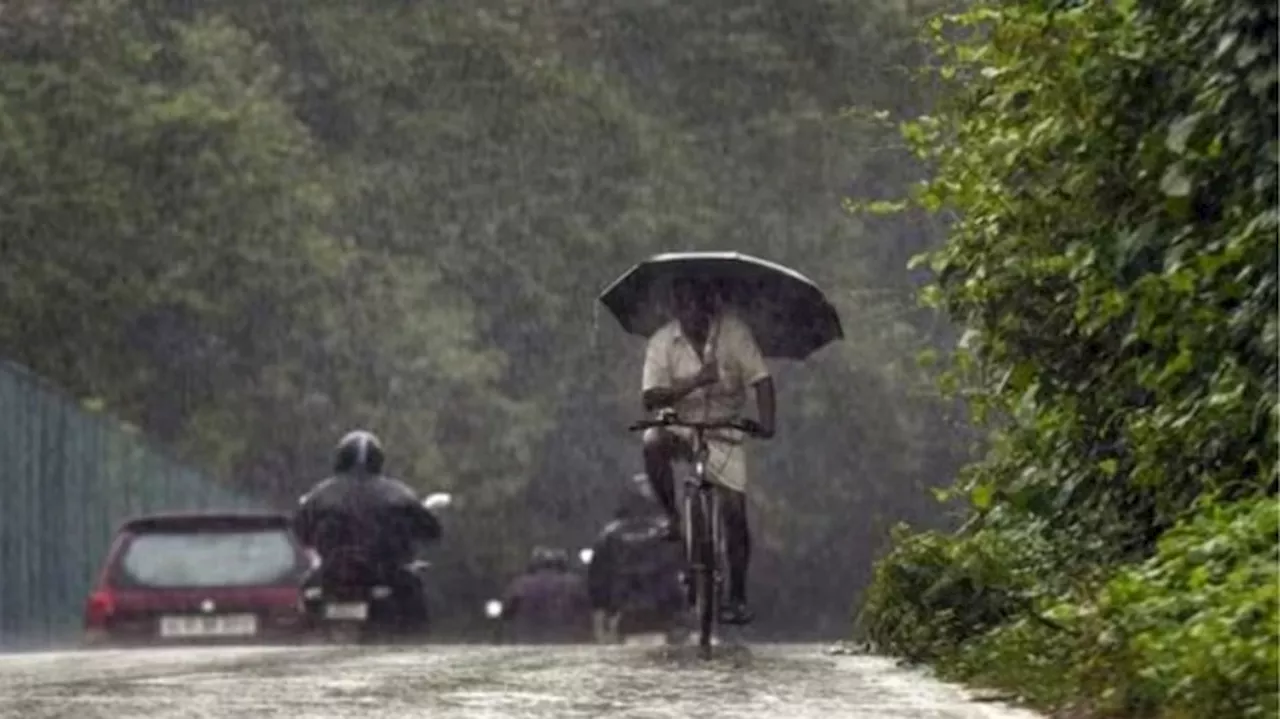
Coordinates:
x,y
634,569
547,604
376,519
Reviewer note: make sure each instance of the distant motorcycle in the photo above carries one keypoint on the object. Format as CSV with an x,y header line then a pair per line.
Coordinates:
x,y
645,628
495,610
349,603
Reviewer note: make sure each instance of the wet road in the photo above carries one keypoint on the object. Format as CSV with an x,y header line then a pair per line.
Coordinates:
x,y
800,682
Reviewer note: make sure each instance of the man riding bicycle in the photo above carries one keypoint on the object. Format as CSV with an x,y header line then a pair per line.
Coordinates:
x,y
700,365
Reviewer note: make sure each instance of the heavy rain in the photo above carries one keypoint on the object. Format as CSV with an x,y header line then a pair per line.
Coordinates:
x,y
903,359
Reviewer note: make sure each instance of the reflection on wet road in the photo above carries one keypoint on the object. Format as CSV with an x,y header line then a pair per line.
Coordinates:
x,y
799,682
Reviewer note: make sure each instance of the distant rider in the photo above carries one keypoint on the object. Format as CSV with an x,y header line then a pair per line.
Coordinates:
x,y
634,574
363,518
701,364
548,603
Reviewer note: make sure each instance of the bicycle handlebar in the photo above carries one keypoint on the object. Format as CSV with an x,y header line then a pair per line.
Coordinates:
x,y
672,421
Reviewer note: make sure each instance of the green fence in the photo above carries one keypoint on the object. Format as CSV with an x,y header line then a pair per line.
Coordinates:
x,y
68,478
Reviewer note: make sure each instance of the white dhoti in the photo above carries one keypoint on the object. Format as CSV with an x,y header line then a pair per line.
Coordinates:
x,y
726,459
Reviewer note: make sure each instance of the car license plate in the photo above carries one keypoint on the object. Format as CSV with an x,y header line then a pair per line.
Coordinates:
x,y
358,611
227,625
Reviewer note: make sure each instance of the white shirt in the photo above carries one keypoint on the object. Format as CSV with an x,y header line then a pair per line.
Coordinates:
x,y
730,344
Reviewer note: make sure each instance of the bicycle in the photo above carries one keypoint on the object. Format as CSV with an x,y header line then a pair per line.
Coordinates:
x,y
705,550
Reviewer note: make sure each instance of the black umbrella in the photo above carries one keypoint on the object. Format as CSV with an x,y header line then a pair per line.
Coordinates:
x,y
787,313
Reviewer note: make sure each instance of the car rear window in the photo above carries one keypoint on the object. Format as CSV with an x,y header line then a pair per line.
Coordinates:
x,y
209,559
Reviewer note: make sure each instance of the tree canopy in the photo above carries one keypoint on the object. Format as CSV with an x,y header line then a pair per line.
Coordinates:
x,y
247,227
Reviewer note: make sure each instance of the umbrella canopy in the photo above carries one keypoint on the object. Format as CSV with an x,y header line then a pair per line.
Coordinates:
x,y
789,316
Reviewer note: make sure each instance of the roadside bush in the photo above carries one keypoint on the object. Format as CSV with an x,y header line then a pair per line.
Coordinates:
x,y
933,591
1193,631
1112,258
1190,633
1037,657
893,619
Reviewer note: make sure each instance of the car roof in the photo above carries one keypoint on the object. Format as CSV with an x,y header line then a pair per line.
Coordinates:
x,y
205,521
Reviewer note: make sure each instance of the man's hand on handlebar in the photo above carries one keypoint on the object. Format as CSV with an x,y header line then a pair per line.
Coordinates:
x,y
669,418
756,429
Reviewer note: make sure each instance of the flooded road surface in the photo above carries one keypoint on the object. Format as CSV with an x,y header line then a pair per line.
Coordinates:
x,y
799,682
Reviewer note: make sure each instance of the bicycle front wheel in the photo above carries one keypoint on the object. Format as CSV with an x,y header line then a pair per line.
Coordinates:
x,y
705,585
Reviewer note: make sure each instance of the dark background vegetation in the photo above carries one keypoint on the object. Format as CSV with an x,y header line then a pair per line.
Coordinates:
x,y
246,227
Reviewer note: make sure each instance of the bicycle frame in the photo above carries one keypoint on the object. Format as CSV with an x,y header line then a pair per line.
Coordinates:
x,y
704,543
703,527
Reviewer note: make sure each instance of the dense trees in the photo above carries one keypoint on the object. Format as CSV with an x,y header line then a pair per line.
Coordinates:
x,y
247,226
1111,170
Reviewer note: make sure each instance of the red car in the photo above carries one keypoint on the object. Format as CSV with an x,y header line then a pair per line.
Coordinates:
x,y
199,577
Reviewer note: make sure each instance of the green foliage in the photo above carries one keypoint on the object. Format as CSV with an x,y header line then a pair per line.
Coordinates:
x,y
1122,332
1112,256
933,592
246,227
890,618
1038,661
1189,633
1192,631
157,194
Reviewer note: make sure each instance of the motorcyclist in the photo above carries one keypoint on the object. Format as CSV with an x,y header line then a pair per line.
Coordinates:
x,y
634,574
362,518
548,603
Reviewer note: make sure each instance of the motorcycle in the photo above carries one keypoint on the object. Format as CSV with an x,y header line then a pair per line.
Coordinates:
x,y
653,630
350,603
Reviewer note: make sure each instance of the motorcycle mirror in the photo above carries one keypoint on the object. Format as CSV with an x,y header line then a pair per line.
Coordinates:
x,y
585,554
493,609
438,500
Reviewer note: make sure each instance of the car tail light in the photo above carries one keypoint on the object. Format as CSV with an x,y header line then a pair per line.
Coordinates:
x,y
99,608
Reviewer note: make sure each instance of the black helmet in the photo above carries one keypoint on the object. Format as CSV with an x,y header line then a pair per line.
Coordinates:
x,y
359,452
